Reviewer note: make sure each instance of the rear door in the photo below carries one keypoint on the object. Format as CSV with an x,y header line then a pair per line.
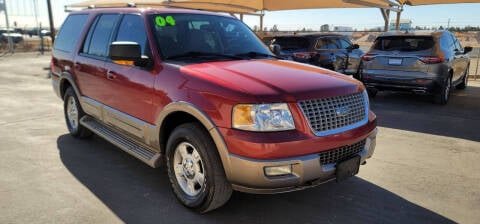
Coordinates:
x,y
90,63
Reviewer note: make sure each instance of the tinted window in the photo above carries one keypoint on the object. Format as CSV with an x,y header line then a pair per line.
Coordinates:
x,y
343,43
179,33
458,46
132,29
70,32
97,44
326,43
289,43
446,41
403,43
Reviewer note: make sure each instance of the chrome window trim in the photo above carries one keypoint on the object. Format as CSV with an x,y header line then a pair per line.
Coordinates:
x,y
344,128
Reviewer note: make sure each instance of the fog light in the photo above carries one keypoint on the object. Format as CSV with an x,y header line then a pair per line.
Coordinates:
x,y
278,170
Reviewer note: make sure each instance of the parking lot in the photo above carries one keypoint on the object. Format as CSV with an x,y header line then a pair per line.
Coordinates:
x,y
424,170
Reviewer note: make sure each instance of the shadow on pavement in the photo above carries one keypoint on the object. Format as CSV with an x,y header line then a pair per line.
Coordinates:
x,y
459,118
137,193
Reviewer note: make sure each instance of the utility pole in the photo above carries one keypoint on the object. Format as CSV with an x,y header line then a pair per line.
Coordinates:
x,y
3,5
50,18
448,24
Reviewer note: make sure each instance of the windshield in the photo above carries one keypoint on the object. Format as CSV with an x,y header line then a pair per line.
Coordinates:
x,y
403,43
179,35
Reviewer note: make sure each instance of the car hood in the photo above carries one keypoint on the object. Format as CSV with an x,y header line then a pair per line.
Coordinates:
x,y
275,80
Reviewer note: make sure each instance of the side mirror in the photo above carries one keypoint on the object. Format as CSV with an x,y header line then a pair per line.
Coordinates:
x,y
125,53
352,47
467,49
276,49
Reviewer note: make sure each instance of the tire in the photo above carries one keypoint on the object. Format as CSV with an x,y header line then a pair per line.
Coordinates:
x,y
73,113
464,82
372,93
443,95
195,170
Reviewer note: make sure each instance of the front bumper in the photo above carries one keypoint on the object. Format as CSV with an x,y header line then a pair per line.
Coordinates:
x,y
248,175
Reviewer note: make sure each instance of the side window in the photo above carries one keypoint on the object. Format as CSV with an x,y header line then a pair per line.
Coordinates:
x,y
343,43
326,43
70,32
132,29
458,46
98,40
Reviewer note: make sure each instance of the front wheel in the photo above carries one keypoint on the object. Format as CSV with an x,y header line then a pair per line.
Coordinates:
x,y
195,170
464,82
443,94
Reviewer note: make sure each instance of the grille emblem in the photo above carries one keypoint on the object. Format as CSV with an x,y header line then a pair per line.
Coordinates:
x,y
342,111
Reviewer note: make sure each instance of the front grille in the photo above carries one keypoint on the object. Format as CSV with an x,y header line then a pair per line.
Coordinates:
x,y
342,153
333,113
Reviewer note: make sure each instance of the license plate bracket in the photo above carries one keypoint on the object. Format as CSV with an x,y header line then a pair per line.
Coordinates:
x,y
347,168
395,61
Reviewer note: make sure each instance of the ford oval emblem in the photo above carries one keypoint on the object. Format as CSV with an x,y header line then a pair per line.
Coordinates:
x,y
342,111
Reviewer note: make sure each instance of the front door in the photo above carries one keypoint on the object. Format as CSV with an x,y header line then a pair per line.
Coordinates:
x,y
132,86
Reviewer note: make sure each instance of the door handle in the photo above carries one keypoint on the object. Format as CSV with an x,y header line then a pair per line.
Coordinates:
x,y
111,75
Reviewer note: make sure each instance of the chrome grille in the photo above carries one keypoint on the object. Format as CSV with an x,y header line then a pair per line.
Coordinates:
x,y
342,153
334,113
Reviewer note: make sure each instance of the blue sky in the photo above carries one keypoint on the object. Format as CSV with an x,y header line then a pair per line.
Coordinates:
x,y
433,15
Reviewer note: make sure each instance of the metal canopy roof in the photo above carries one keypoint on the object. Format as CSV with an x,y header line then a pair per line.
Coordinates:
x,y
432,2
244,6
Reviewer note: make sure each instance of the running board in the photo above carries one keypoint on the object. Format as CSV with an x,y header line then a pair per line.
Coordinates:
x,y
128,145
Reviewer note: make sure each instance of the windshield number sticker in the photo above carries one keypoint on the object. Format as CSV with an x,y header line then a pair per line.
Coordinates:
x,y
161,21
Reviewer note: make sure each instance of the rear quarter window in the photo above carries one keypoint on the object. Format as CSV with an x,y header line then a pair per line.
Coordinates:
x,y
404,43
70,32
292,42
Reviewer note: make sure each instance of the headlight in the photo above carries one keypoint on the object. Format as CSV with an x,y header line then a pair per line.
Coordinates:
x,y
262,117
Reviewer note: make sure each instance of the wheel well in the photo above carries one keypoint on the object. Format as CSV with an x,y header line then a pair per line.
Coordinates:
x,y
170,123
64,84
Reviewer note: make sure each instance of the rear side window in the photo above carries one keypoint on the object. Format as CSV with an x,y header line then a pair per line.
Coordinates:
x,y
292,42
327,43
404,43
98,39
70,32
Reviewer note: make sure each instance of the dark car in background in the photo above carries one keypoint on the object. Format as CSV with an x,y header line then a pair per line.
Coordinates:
x,y
332,51
426,62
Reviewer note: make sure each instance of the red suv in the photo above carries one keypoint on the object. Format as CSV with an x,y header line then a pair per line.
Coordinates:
x,y
200,92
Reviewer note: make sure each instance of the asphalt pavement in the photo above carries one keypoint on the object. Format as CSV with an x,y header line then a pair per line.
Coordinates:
x,y
425,168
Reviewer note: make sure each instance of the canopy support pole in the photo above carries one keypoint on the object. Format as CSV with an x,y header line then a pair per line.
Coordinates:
x,y
241,17
261,22
386,18
397,24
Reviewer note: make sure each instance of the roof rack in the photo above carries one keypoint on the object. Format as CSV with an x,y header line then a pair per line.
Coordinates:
x,y
128,5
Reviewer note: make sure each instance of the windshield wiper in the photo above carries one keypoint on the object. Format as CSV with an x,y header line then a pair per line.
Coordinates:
x,y
198,54
254,54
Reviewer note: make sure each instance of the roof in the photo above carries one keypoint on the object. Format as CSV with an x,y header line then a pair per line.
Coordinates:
x,y
413,33
147,11
309,35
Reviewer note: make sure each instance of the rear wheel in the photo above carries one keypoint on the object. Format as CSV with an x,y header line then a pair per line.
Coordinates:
x,y
464,82
443,94
195,170
73,113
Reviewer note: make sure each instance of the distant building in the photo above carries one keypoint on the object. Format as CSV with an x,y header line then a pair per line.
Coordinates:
x,y
405,24
325,28
345,30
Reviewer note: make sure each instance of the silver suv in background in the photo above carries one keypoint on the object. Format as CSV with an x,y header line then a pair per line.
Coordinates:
x,y
430,63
